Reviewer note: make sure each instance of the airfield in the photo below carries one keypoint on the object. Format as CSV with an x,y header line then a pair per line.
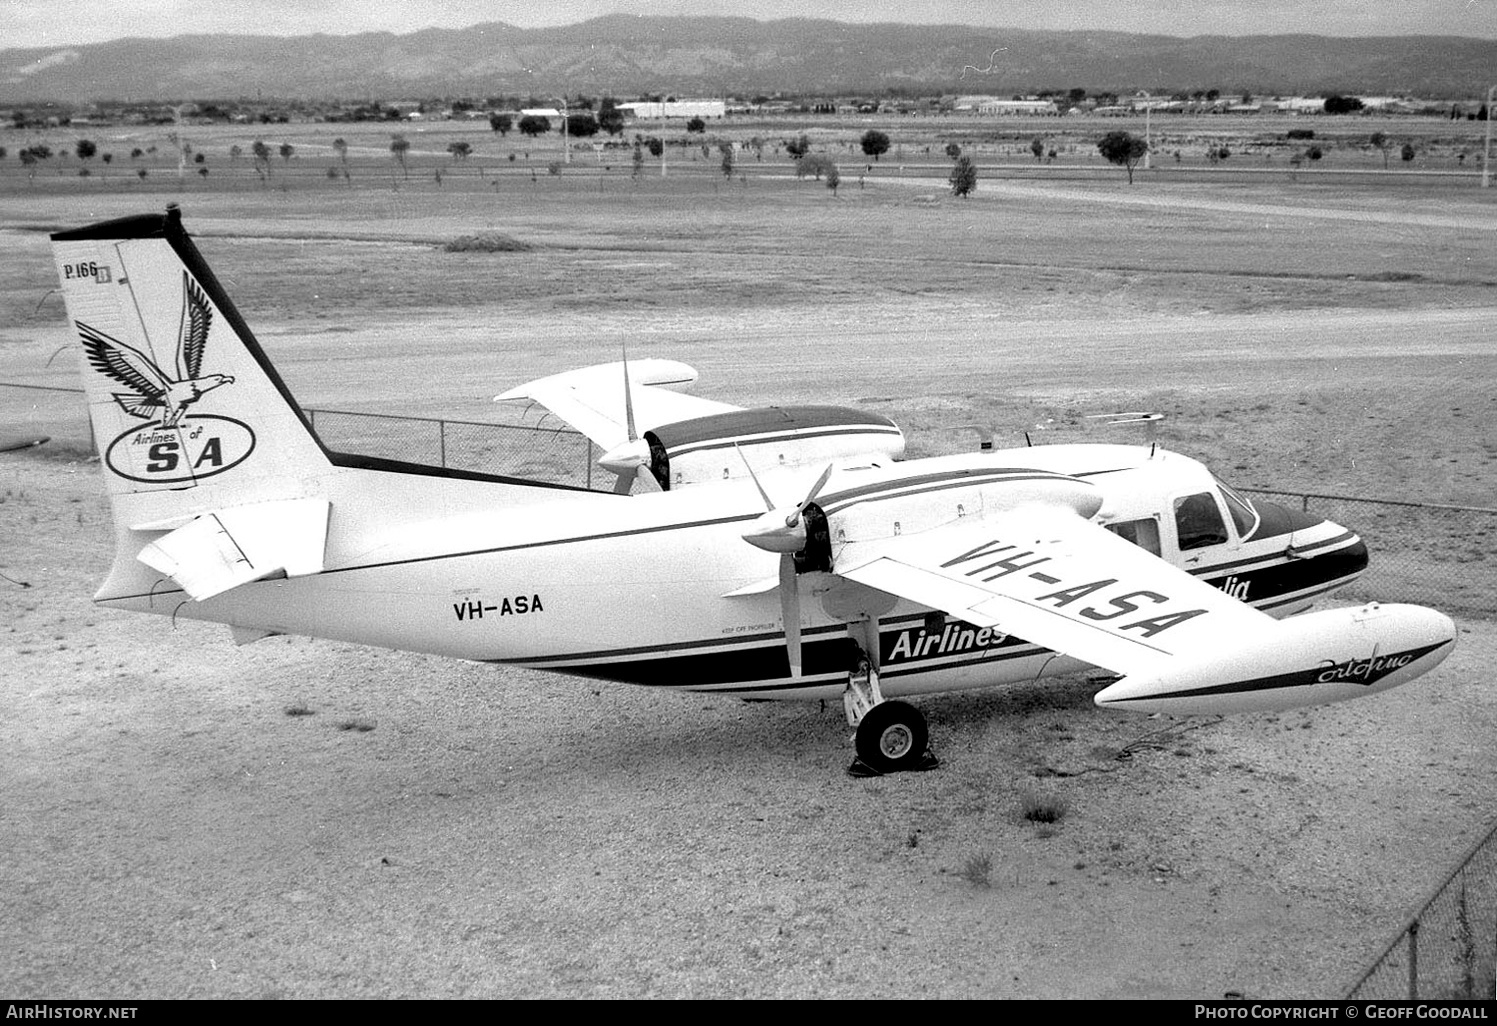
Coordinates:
x,y
433,828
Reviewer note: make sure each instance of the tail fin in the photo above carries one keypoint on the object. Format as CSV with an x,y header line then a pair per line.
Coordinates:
x,y
188,413
207,457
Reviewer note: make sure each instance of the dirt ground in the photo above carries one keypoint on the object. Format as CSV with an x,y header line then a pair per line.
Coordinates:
x,y
430,828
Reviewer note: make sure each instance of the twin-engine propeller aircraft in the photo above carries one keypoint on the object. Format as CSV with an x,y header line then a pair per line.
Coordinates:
x,y
772,553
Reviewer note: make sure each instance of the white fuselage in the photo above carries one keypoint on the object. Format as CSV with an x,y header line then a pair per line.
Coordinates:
x,y
637,588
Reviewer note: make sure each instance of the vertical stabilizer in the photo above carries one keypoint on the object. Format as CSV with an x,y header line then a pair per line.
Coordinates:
x,y
187,412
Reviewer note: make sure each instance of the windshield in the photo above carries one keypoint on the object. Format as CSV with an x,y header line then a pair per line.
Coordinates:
x,y
1244,516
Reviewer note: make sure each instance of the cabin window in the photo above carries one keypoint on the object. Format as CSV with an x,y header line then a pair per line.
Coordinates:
x,y
1143,533
1244,515
1199,522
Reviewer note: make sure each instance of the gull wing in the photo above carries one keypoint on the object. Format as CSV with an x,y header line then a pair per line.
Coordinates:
x,y
1054,579
591,399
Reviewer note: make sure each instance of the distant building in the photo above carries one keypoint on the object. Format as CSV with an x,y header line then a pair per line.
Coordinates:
x,y
1032,107
675,109
1302,105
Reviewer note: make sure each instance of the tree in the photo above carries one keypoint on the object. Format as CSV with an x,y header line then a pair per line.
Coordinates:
x,y
655,146
610,118
534,125
953,150
1037,147
1342,104
1379,141
460,150
85,150
582,124
501,123
340,147
726,149
261,155
963,177
1407,153
696,125
815,164
286,151
639,158
1123,149
833,179
399,147
798,147
875,143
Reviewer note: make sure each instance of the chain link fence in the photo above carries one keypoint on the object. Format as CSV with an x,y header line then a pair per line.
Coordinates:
x,y
1420,552
1449,948
555,455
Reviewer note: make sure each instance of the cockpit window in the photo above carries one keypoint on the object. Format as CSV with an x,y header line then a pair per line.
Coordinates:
x,y
1198,522
1143,533
1244,515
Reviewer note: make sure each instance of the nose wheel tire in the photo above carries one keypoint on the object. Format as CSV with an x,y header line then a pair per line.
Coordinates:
x,y
892,737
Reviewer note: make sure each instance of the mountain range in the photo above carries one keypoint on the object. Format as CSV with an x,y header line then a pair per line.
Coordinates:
x,y
626,56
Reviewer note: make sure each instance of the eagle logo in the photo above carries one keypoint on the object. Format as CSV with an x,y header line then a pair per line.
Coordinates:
x,y
151,388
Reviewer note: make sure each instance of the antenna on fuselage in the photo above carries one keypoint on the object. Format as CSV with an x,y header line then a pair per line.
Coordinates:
x,y
1131,418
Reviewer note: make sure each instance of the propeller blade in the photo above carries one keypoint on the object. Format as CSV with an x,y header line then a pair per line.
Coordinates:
x,y
794,517
628,397
768,504
790,611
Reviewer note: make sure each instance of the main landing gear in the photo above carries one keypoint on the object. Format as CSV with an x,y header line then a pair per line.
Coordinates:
x,y
891,735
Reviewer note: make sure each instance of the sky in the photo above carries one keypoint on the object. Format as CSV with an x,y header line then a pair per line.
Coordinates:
x,y
45,23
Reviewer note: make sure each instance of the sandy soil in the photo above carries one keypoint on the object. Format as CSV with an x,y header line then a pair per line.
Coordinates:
x,y
433,828
172,831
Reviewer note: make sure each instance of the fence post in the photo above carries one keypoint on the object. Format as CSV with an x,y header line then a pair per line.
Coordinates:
x,y
587,460
1414,960
442,440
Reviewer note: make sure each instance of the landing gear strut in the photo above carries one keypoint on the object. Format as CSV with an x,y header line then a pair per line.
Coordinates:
x,y
891,735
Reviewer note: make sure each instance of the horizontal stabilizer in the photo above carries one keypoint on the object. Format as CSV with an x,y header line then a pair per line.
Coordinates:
x,y
224,549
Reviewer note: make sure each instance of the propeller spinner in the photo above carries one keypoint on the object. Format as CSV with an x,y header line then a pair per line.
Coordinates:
x,y
783,530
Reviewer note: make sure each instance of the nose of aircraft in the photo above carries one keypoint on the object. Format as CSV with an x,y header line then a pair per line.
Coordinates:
x,y
1328,554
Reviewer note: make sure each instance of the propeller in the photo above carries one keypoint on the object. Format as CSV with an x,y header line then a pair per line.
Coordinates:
x,y
630,460
783,530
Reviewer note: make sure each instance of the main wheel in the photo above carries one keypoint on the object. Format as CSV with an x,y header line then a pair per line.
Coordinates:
x,y
892,737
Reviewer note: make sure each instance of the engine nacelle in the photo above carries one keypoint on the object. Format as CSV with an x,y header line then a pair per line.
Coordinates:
x,y
707,448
